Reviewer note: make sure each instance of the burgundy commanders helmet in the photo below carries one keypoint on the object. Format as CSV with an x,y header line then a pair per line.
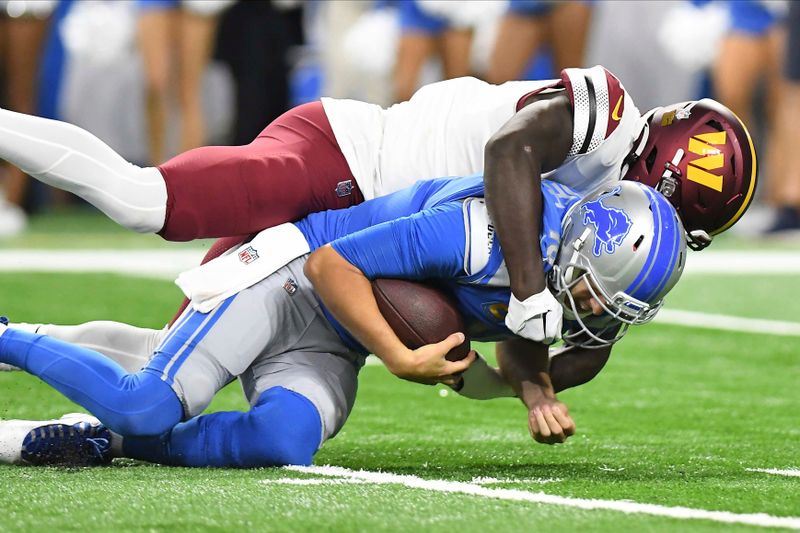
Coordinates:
x,y
701,157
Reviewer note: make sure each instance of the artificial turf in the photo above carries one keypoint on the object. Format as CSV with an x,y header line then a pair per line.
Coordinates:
x,y
676,418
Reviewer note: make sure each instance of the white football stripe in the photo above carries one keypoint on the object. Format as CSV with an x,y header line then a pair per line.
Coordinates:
x,y
314,481
166,264
759,326
627,507
602,106
169,263
734,263
792,472
149,263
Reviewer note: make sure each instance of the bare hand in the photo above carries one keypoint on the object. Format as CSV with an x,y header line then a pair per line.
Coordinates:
x,y
549,422
428,365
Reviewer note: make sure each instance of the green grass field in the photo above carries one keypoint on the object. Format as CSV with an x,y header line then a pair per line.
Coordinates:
x,y
676,418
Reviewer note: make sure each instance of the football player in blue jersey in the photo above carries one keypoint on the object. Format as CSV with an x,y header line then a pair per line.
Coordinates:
x,y
297,336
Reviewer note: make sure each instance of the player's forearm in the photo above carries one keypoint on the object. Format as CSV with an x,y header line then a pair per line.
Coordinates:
x,y
347,293
483,382
576,366
568,367
512,176
524,365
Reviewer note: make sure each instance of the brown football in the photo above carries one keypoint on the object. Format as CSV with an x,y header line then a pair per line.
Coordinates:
x,y
420,314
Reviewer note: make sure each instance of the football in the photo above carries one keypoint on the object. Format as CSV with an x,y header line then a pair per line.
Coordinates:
x,y
420,314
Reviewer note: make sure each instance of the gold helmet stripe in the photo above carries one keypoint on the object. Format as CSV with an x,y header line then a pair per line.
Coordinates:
x,y
749,195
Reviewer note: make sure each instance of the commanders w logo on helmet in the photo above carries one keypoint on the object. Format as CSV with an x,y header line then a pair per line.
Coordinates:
x,y
706,145
700,156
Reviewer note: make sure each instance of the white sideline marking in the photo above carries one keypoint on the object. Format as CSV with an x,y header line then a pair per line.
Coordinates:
x,y
531,481
792,472
169,263
627,507
727,323
729,262
166,264
304,482
149,263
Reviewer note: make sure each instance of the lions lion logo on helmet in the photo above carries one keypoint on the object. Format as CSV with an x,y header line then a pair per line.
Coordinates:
x,y
611,224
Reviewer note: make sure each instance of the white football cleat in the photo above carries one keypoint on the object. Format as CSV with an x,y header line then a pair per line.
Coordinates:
x,y
13,220
75,439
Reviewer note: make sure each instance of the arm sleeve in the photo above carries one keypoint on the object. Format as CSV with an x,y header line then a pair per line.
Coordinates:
x,y
425,245
598,102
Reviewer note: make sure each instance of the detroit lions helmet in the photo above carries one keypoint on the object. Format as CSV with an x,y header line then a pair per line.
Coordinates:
x,y
701,157
628,244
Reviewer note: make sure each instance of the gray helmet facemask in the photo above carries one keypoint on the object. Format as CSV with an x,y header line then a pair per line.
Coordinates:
x,y
606,240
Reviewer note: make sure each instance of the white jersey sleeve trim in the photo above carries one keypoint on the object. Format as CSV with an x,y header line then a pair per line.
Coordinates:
x,y
591,103
598,77
581,110
480,235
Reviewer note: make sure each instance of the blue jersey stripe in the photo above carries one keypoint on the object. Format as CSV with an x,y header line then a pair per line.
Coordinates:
x,y
187,351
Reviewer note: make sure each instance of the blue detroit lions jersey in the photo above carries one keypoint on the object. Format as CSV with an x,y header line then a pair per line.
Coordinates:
x,y
438,231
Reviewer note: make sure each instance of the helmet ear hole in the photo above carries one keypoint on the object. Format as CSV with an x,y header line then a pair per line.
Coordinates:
x,y
638,242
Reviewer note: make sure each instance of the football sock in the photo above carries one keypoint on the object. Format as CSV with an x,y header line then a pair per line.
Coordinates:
x,y
128,346
70,158
129,404
282,428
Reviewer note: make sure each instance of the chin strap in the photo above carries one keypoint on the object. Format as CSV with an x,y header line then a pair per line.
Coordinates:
x,y
698,239
669,185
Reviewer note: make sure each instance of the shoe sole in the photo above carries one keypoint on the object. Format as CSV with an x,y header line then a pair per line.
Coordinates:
x,y
80,444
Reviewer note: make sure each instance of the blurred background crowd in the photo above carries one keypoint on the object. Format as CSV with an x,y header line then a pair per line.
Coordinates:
x,y
154,78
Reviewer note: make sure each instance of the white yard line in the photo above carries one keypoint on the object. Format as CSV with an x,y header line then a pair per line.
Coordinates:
x,y
623,506
169,263
730,262
314,481
695,319
627,507
149,263
791,472
166,264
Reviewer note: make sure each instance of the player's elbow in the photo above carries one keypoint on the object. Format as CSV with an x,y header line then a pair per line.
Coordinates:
x,y
507,142
315,265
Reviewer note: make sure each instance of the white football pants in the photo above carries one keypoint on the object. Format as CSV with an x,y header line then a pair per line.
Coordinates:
x,y
70,158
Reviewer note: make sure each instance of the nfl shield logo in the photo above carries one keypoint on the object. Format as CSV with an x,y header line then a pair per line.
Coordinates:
x,y
290,286
344,188
248,255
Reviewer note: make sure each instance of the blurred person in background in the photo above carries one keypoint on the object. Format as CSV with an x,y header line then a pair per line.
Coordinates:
x,y
22,29
785,182
176,37
751,53
528,25
254,39
424,33
358,50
